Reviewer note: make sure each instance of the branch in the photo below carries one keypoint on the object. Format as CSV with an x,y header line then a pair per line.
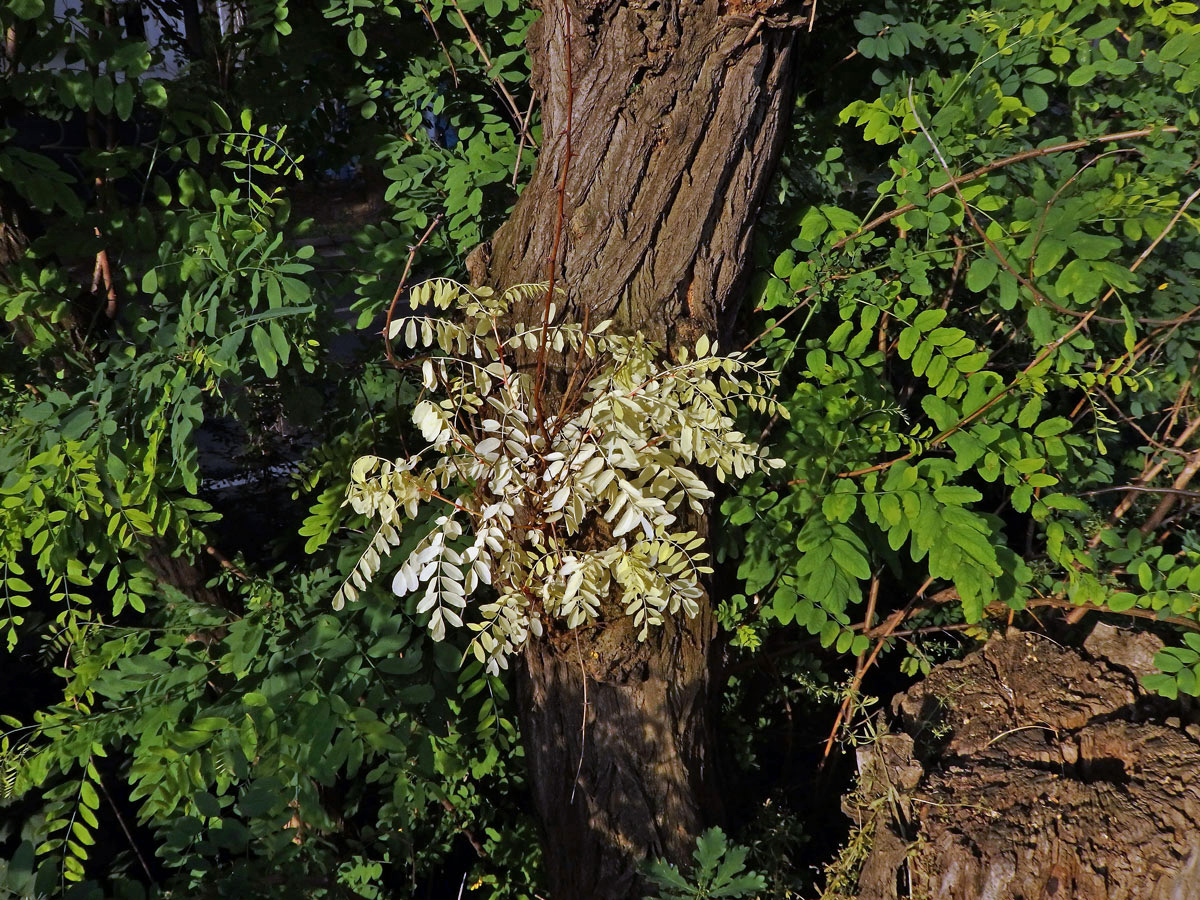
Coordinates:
x,y
954,183
412,252
437,37
1177,490
1143,489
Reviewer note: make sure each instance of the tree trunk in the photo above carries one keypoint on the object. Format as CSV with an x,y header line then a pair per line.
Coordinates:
x,y
675,115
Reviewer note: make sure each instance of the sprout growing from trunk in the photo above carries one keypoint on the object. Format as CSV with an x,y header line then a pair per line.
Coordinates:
x,y
556,512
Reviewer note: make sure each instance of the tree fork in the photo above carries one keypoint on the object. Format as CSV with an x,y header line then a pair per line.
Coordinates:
x,y
676,112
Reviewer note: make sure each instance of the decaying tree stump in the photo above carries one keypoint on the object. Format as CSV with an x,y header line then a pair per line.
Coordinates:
x,y
1029,771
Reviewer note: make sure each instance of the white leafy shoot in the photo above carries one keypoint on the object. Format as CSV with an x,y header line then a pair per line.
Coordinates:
x,y
618,459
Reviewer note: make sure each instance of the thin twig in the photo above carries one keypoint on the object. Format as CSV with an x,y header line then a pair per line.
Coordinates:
x,y
1144,489
437,37
583,724
524,137
412,252
496,80
787,315
954,183
1037,237
125,828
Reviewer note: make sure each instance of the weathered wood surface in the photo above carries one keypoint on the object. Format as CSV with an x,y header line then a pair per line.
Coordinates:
x,y
1028,771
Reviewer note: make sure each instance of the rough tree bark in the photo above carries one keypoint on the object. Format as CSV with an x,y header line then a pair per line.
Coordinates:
x,y
1031,771
675,119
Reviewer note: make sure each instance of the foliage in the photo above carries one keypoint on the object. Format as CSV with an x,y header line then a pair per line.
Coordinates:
x,y
986,404
457,129
190,727
980,361
519,486
720,871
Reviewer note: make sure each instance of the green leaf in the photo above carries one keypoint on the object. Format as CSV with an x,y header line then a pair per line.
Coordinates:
x,y
1081,76
1161,684
87,793
849,559
981,274
103,94
123,100
256,801
844,641
1093,246
26,9
972,363
929,319
957,495
839,507
265,349
1051,427
1122,601
1080,280
155,93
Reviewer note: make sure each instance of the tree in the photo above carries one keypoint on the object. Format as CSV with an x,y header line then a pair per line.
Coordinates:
x,y
662,127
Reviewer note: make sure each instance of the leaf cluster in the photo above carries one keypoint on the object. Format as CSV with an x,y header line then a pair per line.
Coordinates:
x,y
556,508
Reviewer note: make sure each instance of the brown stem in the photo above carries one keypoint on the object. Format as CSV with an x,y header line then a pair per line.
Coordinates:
x,y
387,324
1050,348
226,564
1037,153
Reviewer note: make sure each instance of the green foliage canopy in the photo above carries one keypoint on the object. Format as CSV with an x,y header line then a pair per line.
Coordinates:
x,y
976,280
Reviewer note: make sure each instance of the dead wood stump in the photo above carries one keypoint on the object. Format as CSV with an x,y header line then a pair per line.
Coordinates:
x,y
1028,771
